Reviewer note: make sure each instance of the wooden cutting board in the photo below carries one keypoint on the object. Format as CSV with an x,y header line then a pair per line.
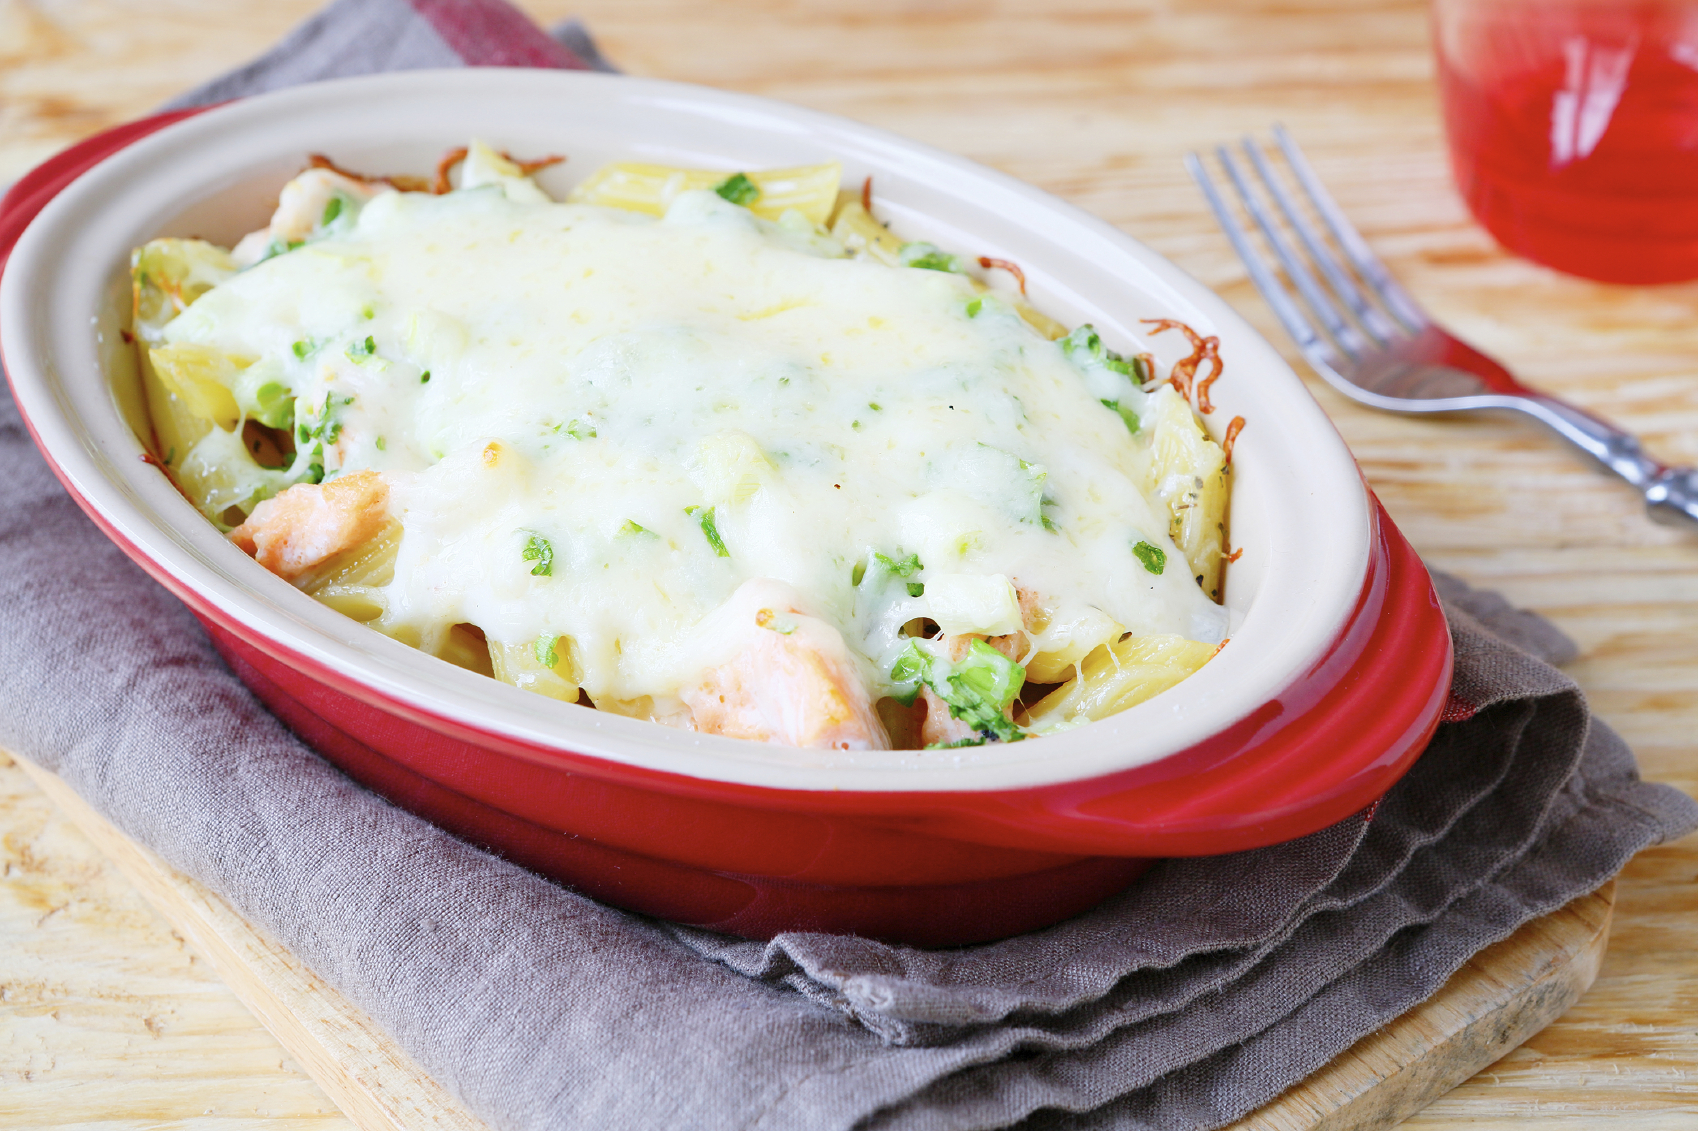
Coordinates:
x,y
1488,1008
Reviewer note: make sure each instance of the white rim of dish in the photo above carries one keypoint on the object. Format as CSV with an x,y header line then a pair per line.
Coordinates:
x,y
61,274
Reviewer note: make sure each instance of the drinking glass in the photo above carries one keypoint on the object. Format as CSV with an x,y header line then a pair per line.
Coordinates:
x,y
1573,128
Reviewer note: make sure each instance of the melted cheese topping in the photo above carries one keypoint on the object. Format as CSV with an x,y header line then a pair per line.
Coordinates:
x,y
675,407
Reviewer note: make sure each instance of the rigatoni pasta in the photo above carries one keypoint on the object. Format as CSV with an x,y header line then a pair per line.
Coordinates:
x,y
716,450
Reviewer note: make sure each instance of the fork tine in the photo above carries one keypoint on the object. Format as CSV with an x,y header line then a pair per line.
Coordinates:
x,y
1367,264
1378,325
1317,350
1346,335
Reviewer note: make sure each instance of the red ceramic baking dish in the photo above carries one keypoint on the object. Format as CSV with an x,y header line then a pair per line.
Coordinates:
x,y
1333,680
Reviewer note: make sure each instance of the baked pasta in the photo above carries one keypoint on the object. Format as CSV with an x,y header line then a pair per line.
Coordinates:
x,y
721,452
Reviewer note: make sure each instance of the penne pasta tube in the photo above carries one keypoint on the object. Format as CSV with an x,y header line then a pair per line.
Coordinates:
x,y
359,602
1064,646
544,666
200,379
1188,474
858,231
176,430
809,189
1117,676
370,564
166,275
464,646
1039,321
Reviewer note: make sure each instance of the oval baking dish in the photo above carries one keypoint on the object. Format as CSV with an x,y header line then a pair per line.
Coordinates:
x,y
1334,678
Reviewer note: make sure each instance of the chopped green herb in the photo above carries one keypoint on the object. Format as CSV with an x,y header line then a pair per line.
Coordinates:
x,y
929,257
1153,557
270,404
368,312
710,531
1127,416
882,566
316,422
974,305
279,247
970,740
544,650
1045,502
875,407
361,350
907,567
1036,476
329,427
424,378
539,551
978,688
380,444
910,671
1083,338
580,430
739,189
171,456
332,210
989,674
302,348
633,527
1085,347
855,425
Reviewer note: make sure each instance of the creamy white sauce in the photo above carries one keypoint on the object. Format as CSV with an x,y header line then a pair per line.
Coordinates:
x,y
823,407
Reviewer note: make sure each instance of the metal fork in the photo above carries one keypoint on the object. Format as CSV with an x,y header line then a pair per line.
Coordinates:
x,y
1388,353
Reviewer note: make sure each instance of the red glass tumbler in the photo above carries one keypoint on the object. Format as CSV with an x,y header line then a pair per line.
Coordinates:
x,y
1573,129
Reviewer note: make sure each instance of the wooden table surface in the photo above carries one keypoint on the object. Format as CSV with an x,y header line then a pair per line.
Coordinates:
x,y
107,1018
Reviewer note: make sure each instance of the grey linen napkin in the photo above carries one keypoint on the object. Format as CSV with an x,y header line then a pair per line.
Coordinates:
x,y
1198,994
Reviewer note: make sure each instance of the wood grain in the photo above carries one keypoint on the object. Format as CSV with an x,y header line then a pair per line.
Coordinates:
x,y
1095,100
109,1016
1501,997
376,1085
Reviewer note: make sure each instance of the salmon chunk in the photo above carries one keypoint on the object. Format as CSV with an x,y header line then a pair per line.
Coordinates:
x,y
788,684
939,724
311,522
301,204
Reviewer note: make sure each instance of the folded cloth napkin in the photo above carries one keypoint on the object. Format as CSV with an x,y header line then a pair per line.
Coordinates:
x,y
1198,994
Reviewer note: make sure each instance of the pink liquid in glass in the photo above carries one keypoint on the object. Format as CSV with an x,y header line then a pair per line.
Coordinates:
x,y
1573,130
